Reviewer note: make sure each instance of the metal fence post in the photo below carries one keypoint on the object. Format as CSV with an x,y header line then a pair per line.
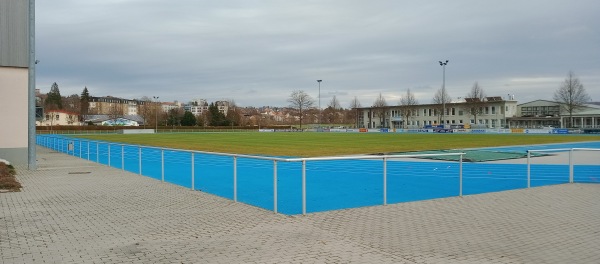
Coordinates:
x,y
140,159
193,176
571,166
303,187
460,176
98,152
123,157
384,181
235,178
275,186
162,165
88,150
79,148
108,154
528,168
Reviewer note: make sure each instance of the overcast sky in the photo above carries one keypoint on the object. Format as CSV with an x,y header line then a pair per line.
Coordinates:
x,y
258,52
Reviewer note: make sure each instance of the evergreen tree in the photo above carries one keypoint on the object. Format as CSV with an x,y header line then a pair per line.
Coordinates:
x,y
188,119
84,103
53,98
216,117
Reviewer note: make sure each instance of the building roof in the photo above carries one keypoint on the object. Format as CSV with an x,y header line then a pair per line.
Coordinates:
x,y
60,111
102,118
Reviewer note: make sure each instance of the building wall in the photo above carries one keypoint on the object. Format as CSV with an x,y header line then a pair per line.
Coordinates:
x,y
59,118
14,118
429,114
14,33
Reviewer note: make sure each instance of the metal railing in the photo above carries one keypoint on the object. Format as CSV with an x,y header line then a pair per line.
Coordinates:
x,y
571,160
71,145
160,131
227,175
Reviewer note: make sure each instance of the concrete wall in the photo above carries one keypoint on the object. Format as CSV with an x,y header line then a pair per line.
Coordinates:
x,y
14,114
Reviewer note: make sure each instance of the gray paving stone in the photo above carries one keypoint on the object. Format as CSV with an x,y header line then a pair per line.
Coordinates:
x,y
111,216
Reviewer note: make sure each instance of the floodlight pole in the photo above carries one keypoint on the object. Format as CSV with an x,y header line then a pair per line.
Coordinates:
x,y
319,81
443,64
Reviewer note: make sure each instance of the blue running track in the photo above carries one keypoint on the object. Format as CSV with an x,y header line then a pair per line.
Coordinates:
x,y
330,185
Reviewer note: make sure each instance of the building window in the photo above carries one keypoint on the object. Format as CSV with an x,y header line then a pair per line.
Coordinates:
x,y
47,117
493,110
57,116
453,111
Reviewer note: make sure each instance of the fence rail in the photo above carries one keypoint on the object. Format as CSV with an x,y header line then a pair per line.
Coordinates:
x,y
571,169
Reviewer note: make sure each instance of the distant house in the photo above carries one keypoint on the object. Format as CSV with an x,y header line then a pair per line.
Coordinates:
x,y
59,118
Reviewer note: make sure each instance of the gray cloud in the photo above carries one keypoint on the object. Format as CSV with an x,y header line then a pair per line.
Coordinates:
x,y
258,52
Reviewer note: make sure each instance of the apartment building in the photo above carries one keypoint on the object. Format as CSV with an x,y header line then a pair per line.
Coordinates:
x,y
109,105
200,106
197,107
491,113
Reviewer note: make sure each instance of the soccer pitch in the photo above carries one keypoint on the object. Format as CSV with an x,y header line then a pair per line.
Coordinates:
x,y
331,144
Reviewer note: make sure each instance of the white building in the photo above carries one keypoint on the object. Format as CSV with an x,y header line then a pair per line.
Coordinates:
x,y
59,118
492,113
168,106
197,107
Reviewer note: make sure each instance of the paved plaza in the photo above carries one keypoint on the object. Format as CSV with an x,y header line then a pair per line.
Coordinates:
x,y
75,211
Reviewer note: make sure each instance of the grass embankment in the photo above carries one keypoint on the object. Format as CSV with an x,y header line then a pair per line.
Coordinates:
x,y
8,182
330,144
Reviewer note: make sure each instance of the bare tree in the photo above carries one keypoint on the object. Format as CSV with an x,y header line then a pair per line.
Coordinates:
x,y
571,95
146,110
352,113
72,103
300,102
379,109
332,112
408,106
233,113
441,98
475,101
115,111
334,103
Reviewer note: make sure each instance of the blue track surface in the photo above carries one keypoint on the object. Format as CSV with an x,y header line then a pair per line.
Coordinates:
x,y
330,185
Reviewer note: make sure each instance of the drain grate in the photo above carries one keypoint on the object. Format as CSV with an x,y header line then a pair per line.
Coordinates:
x,y
80,172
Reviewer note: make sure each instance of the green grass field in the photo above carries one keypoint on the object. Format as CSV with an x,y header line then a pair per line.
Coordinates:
x,y
331,144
